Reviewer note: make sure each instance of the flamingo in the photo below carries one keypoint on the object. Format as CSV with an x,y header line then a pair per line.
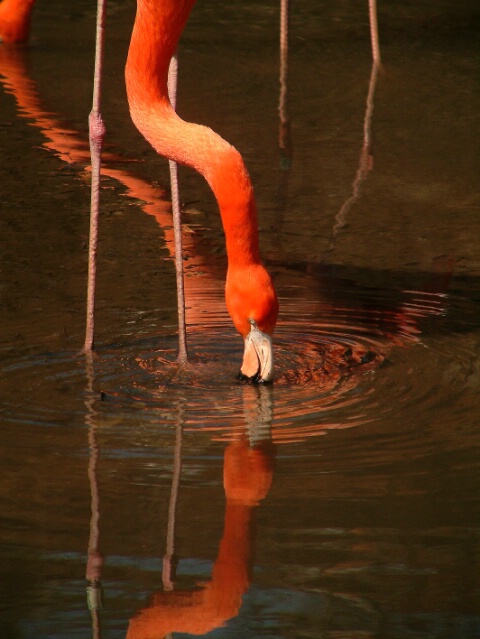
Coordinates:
x,y
249,291
250,295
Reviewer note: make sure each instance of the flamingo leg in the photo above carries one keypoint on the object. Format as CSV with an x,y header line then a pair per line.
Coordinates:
x,y
177,225
96,135
372,10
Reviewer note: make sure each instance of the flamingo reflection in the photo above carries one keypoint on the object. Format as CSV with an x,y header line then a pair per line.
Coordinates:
x,y
247,477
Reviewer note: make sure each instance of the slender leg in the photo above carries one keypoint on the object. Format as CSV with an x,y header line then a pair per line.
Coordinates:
x,y
284,138
372,9
96,134
282,105
177,226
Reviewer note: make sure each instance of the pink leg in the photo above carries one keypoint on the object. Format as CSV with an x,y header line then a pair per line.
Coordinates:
x,y
372,8
177,227
96,134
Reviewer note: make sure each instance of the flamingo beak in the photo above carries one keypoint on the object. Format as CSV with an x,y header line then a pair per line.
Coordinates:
x,y
257,364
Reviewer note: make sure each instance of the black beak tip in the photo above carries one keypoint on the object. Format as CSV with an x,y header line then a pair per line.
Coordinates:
x,y
256,379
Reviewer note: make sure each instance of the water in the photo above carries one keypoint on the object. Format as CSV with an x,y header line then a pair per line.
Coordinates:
x,y
352,482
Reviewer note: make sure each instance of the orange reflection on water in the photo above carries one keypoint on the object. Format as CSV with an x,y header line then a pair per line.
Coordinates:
x,y
63,141
247,477
70,147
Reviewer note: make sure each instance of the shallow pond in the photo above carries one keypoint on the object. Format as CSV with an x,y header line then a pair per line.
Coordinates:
x,y
353,481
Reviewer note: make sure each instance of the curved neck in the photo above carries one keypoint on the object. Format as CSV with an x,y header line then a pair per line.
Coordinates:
x,y
157,29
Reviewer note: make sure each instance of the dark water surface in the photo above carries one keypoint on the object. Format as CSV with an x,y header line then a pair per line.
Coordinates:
x,y
353,503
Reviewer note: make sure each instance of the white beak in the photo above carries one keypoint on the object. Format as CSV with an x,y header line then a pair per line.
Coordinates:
x,y
257,362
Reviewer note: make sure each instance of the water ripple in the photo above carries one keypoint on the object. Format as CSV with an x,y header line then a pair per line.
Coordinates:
x,y
337,366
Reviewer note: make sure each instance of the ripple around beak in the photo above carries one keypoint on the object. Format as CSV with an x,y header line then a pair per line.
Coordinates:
x,y
258,356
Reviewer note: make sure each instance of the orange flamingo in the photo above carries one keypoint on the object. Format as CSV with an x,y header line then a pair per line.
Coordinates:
x,y
250,294
15,20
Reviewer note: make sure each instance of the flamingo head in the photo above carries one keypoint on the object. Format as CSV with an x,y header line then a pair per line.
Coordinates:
x,y
253,307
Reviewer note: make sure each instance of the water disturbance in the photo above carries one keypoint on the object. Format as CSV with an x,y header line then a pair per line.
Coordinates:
x,y
343,499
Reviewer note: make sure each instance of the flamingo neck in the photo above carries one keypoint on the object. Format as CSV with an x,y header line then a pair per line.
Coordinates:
x,y
157,29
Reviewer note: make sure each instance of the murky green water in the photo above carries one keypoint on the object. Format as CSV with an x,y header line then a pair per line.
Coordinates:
x,y
352,482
